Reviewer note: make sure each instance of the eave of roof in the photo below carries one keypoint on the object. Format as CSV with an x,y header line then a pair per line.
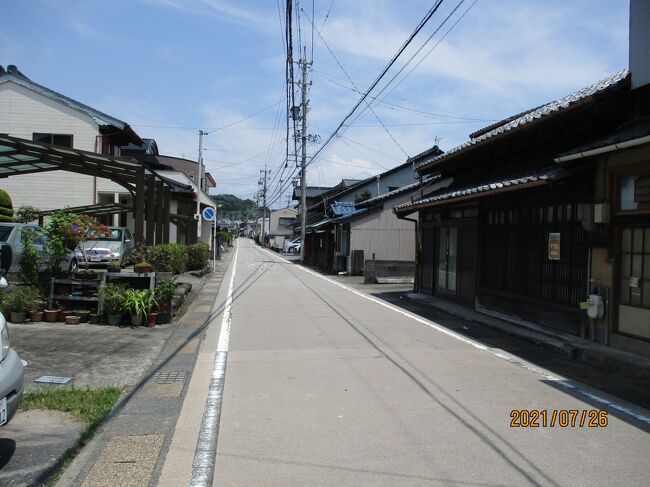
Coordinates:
x,y
529,117
497,185
100,118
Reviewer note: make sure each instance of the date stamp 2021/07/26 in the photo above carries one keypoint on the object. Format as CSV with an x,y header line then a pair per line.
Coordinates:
x,y
562,418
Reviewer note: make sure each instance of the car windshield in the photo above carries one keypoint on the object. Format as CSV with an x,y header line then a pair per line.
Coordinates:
x,y
113,235
5,231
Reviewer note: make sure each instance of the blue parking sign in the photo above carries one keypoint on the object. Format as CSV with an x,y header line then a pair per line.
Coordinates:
x,y
208,214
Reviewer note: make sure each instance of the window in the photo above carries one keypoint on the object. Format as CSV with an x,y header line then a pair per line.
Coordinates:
x,y
634,193
56,139
635,267
285,222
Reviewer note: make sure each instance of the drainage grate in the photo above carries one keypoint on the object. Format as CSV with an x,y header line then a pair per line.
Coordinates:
x,y
168,376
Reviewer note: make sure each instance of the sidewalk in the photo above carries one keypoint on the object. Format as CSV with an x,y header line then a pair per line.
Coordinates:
x,y
129,447
623,363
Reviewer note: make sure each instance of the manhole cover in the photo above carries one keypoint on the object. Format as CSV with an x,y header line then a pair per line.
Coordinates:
x,y
52,379
168,376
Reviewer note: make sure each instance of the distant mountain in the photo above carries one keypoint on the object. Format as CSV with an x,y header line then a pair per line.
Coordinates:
x,y
235,208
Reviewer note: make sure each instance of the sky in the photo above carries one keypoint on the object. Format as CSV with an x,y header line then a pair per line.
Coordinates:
x,y
172,67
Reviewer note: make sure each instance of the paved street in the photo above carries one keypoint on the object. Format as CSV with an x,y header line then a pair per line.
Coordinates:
x,y
326,386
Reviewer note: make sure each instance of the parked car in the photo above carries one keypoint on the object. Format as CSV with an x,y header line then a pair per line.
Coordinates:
x,y
12,373
11,246
292,247
111,247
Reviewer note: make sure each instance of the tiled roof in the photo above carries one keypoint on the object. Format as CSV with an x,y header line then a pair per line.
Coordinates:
x,y
545,175
530,116
311,191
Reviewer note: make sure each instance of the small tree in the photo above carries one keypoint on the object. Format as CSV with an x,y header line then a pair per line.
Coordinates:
x,y
65,231
26,214
6,207
30,260
362,196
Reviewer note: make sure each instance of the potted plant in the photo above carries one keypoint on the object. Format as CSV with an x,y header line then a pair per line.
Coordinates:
x,y
83,315
142,267
163,293
114,267
36,313
137,304
112,297
86,275
20,302
72,319
152,307
52,313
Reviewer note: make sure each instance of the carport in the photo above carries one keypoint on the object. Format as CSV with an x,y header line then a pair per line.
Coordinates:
x,y
150,191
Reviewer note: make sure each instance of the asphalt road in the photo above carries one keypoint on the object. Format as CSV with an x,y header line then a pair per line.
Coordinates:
x,y
326,386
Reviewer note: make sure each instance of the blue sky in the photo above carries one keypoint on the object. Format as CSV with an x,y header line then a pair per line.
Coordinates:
x,y
170,67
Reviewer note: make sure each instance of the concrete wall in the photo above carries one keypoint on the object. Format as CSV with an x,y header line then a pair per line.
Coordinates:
x,y
24,112
275,221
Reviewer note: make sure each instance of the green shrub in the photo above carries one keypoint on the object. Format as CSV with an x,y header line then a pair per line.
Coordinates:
x,y
26,214
163,258
6,219
5,200
198,255
30,261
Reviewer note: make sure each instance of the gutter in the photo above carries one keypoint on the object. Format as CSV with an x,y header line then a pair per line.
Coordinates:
x,y
603,150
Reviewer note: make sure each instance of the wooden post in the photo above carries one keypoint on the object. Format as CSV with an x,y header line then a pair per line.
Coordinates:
x,y
138,210
166,212
160,202
150,209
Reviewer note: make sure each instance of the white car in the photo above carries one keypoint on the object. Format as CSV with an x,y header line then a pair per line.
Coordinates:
x,y
293,247
108,248
12,373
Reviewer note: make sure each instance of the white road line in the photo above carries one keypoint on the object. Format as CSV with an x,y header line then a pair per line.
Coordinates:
x,y
206,447
541,373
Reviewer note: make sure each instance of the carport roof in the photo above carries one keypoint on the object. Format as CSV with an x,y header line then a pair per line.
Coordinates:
x,y
21,156
93,210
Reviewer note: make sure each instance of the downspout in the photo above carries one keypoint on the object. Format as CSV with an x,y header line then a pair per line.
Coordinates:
x,y
95,177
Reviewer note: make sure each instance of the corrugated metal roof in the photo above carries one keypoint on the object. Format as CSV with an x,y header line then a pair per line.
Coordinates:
x,y
544,175
530,116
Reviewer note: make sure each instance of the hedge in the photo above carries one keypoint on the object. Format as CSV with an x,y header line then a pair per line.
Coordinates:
x,y
175,258
6,207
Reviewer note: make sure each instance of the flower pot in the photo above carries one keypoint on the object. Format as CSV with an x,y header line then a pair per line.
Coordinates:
x,y
114,320
164,318
72,320
152,319
51,315
142,269
83,316
62,314
18,316
36,316
163,307
136,320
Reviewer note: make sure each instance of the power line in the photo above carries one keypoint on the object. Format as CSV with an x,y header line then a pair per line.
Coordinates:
x,y
408,41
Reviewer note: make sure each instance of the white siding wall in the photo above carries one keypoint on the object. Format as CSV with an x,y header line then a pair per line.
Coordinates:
x,y
383,234
23,112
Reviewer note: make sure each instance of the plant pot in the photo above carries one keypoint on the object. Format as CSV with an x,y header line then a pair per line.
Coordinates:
x,y
72,320
62,315
164,318
152,319
86,276
51,315
83,316
114,320
18,316
142,269
36,316
136,320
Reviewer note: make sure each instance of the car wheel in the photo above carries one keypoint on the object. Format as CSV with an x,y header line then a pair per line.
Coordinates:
x,y
74,266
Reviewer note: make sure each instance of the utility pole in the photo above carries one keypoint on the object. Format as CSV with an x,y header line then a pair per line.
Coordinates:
x,y
264,174
303,179
199,177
